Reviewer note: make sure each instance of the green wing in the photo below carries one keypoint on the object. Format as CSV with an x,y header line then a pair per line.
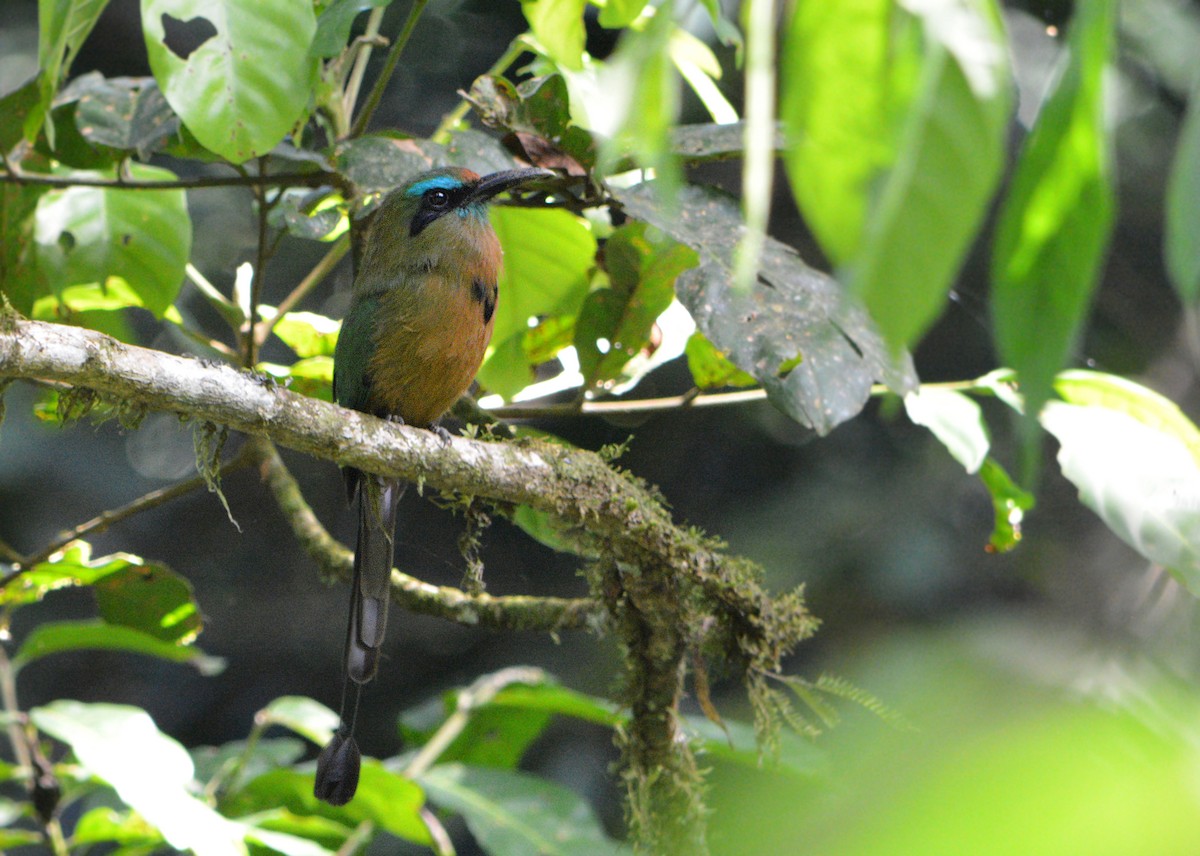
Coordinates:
x,y
355,345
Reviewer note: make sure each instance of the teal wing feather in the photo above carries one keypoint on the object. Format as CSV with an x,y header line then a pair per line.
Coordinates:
x,y
355,346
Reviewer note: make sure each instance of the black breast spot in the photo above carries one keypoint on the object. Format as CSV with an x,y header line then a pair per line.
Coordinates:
x,y
483,293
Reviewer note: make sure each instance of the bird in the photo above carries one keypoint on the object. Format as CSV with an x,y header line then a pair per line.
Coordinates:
x,y
421,313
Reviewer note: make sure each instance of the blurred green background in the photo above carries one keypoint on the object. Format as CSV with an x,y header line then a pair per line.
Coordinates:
x,y
1049,696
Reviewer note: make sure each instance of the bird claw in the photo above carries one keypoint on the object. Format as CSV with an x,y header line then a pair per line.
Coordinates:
x,y
442,433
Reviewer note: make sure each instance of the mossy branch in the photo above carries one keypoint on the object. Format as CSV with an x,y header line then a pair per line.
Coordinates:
x,y
667,590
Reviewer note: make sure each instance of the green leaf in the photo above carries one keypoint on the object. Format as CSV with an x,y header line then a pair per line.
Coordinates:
x,y
307,333
56,637
552,697
954,419
538,114
547,257
128,114
899,127
1098,389
1010,504
792,311
16,108
13,838
1183,207
150,772
1054,224
335,22
558,26
104,824
150,598
1136,462
710,368
386,799
551,532
71,566
379,162
94,235
63,27
511,813
640,104
21,281
310,719
615,14
615,322
245,87
312,376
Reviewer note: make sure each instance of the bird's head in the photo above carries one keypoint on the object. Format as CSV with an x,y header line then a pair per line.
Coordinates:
x,y
438,212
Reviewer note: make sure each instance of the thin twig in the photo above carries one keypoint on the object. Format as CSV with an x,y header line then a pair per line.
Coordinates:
x,y
367,45
279,179
376,94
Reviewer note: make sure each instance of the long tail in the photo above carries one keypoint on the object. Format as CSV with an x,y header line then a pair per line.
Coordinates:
x,y
370,593
377,501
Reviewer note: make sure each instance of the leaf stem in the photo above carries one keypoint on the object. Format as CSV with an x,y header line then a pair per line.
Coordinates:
x,y
376,94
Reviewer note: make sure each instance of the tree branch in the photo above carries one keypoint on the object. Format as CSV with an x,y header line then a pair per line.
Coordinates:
x,y
666,589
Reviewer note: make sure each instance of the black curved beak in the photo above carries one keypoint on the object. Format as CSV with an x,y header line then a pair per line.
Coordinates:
x,y
498,182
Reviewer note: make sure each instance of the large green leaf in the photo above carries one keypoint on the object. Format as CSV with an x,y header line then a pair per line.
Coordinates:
x,y
244,88
56,637
386,799
150,598
1054,224
811,347
72,566
511,813
547,256
558,27
63,26
92,235
897,127
1135,459
616,321
1183,207
150,772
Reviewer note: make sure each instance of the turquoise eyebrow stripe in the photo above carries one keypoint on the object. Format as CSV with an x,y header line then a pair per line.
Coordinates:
x,y
445,182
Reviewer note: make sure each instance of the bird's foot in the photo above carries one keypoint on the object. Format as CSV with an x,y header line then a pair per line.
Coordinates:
x,y
443,435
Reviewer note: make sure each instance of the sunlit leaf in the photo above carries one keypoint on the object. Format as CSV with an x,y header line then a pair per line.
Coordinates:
x,y
616,14
954,419
307,333
150,598
616,321
1055,221
512,813
308,718
558,26
547,256
244,87
897,119
150,772
710,368
92,235
311,376
793,311
1136,462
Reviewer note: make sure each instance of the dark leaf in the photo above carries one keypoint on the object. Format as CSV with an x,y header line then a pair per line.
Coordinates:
x,y
15,109
792,311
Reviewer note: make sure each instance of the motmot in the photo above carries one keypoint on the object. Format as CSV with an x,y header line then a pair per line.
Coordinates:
x,y
421,313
